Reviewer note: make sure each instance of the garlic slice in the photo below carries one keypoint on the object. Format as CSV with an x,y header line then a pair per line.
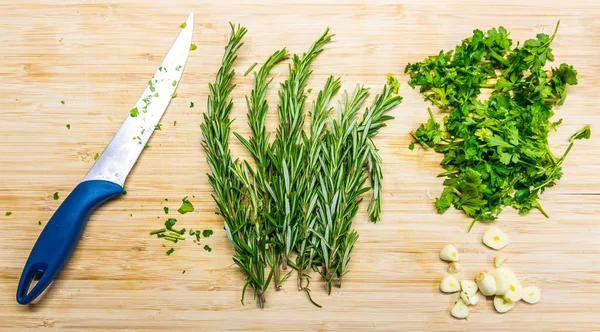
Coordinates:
x,y
449,284
469,299
515,290
532,294
454,267
499,259
486,284
469,286
502,305
449,253
501,281
495,238
459,310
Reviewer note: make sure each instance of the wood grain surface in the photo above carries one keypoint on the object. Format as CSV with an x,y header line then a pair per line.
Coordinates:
x,y
98,55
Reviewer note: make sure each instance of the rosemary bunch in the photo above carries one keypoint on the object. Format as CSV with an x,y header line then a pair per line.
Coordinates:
x,y
305,189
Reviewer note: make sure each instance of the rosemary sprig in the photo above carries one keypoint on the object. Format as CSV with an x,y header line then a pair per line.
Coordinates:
x,y
305,189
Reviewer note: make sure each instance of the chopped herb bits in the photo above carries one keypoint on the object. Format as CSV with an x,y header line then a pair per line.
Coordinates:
x,y
186,206
68,126
62,102
207,232
207,248
193,47
55,196
8,213
96,156
191,104
166,209
134,112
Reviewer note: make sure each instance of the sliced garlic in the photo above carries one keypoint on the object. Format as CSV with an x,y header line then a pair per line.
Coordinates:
x,y
501,281
469,299
502,305
495,238
454,267
486,284
515,290
449,284
459,310
499,259
469,286
449,253
532,294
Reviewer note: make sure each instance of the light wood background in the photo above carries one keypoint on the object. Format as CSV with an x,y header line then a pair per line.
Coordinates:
x,y
98,55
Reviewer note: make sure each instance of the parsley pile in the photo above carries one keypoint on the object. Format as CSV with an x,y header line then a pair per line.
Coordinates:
x,y
296,205
496,151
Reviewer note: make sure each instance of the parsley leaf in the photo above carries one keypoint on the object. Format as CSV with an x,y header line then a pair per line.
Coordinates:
x,y
186,206
166,209
62,102
193,47
183,25
207,248
68,126
55,196
8,213
191,104
207,232
134,112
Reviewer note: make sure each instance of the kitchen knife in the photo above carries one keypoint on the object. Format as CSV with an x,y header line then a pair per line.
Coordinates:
x,y
107,176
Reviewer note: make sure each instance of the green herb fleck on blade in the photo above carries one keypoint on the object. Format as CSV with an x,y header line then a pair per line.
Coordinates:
x,y
55,196
207,248
170,251
134,112
207,232
193,47
8,213
174,83
191,104
151,85
186,206
68,126
178,68
166,209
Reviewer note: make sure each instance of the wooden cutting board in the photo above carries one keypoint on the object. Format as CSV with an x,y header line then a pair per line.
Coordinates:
x,y
98,55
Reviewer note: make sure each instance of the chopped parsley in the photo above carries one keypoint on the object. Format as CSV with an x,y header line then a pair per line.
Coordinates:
x,y
158,127
411,146
62,102
309,90
174,95
175,123
207,232
96,156
170,223
207,248
60,40
166,208
55,195
161,68
151,85
39,222
178,68
124,192
134,112
191,104
170,251
186,206
8,213
68,126
193,47
183,25
174,83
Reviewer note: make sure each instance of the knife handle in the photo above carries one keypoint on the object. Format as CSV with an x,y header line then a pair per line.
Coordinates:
x,y
60,235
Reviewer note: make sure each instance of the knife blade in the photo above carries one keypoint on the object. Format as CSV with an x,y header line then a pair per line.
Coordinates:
x,y
107,176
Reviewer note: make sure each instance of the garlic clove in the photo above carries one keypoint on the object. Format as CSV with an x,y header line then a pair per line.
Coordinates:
x,y
486,284
459,310
501,281
499,259
449,253
502,305
454,267
495,238
469,286
532,294
449,284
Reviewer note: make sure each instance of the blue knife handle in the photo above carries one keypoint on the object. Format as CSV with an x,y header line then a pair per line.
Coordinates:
x,y
60,235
